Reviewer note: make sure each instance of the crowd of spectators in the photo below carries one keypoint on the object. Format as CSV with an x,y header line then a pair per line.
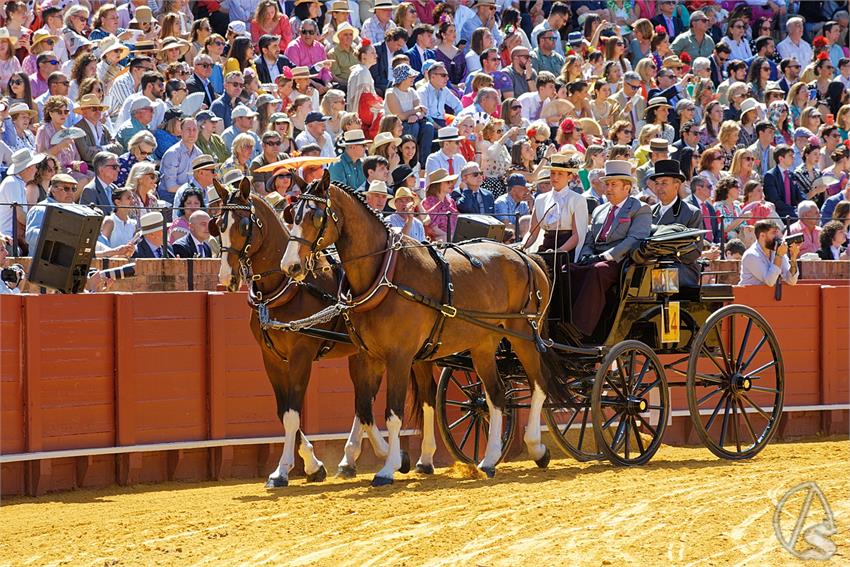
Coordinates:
x,y
434,109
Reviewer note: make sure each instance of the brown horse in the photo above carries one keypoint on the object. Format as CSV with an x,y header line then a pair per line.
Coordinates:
x,y
253,239
393,278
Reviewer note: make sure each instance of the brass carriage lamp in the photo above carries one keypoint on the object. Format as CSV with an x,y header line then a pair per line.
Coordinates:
x,y
665,278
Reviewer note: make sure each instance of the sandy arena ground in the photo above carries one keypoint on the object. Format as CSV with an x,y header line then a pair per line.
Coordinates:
x,y
685,508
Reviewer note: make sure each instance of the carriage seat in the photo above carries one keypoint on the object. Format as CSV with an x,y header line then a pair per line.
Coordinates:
x,y
673,241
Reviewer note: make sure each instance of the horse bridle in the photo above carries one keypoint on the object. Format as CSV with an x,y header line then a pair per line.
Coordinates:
x,y
320,222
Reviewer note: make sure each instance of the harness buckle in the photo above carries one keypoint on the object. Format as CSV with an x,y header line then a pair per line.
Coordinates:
x,y
448,311
256,277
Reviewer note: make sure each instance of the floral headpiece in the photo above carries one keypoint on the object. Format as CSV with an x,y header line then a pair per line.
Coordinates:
x,y
660,29
823,56
819,41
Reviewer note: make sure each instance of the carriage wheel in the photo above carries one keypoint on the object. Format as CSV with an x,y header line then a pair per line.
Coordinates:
x,y
571,427
630,404
736,400
463,417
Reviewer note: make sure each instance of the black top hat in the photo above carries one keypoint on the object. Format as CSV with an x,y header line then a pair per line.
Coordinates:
x,y
667,168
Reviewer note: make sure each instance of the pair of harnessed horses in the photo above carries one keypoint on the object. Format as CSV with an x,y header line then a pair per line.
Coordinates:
x,y
406,305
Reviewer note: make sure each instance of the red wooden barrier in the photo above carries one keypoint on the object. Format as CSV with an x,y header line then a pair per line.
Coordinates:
x,y
119,369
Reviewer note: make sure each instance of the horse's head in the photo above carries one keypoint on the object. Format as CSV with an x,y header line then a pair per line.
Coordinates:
x,y
240,231
313,227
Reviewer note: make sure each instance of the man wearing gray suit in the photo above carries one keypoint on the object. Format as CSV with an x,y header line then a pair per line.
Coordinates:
x,y
617,227
670,209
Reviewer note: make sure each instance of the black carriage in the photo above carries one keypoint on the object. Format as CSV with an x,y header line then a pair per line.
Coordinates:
x,y
725,355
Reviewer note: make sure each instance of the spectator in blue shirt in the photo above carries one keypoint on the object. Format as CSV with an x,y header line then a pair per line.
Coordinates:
x,y
514,202
234,82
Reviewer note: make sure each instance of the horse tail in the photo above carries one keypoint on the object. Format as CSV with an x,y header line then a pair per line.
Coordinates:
x,y
424,391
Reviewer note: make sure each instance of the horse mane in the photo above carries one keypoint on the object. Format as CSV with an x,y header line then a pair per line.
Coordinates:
x,y
260,203
359,197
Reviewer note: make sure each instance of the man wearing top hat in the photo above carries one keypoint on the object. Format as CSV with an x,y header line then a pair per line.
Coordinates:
x,y
448,157
203,173
151,245
472,199
616,228
670,209
659,149
349,168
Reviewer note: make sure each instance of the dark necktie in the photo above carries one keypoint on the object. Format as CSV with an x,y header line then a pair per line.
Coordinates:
x,y
158,253
606,228
205,250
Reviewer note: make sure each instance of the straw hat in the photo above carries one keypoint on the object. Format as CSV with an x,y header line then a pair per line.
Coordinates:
x,y
151,222
302,73
656,102
590,126
354,137
401,193
439,176
90,100
748,105
23,159
109,44
233,177
447,134
343,28
142,15
378,188
564,162
618,169
144,46
340,6
173,42
543,176
204,161
382,139
383,5
672,62
20,108
4,34
42,35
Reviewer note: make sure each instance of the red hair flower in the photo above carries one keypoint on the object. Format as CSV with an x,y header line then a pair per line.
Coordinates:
x,y
684,57
660,29
823,56
365,42
819,41
287,72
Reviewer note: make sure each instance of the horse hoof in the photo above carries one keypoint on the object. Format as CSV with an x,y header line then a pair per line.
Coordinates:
x,y
381,481
543,461
489,471
405,463
318,476
346,472
425,469
278,482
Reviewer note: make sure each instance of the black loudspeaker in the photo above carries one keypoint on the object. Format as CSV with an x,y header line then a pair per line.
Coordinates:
x,y
478,226
65,248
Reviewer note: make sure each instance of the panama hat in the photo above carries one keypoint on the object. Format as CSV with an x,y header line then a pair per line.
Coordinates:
x,y
667,168
42,35
233,177
382,139
543,176
242,111
204,161
212,196
439,176
71,133
302,73
20,108
378,188
144,46
23,159
151,222
483,3
90,100
401,193
749,105
109,44
383,5
340,6
62,178
4,34
142,15
590,126
564,162
343,28
618,169
173,42
447,134
656,102
658,145
672,62
354,137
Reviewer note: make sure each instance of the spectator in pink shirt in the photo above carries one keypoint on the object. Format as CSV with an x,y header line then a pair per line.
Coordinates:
x,y
425,10
269,21
808,226
307,52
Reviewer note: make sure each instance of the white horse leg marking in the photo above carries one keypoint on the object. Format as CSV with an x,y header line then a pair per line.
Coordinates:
x,y
393,462
379,445
494,440
353,445
429,442
311,463
532,431
291,423
224,271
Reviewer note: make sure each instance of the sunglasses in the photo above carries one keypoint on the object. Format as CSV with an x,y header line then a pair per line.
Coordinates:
x,y
52,62
144,154
65,112
237,84
111,165
66,189
749,158
636,87
16,82
308,32
516,107
272,143
219,43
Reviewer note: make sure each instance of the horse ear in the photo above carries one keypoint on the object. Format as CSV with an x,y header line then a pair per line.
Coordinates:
x,y
298,180
325,184
220,190
245,188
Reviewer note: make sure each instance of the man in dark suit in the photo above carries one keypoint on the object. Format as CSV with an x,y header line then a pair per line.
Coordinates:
x,y
99,191
194,244
667,19
616,228
270,62
199,82
718,60
700,194
152,245
423,46
393,44
670,209
473,199
779,185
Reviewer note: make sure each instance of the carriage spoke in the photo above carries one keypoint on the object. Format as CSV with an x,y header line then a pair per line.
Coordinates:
x,y
637,437
735,430
758,408
753,354
618,433
710,378
615,388
608,423
465,437
465,405
631,375
649,387
731,343
724,426
628,433
651,429
583,426
707,396
763,389
465,416
477,440
747,421
744,344
570,422
641,375
716,330
711,357
764,366
714,413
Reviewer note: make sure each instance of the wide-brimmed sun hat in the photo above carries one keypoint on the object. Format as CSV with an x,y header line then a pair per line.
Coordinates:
x,y
618,169
151,222
439,176
23,159
401,193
